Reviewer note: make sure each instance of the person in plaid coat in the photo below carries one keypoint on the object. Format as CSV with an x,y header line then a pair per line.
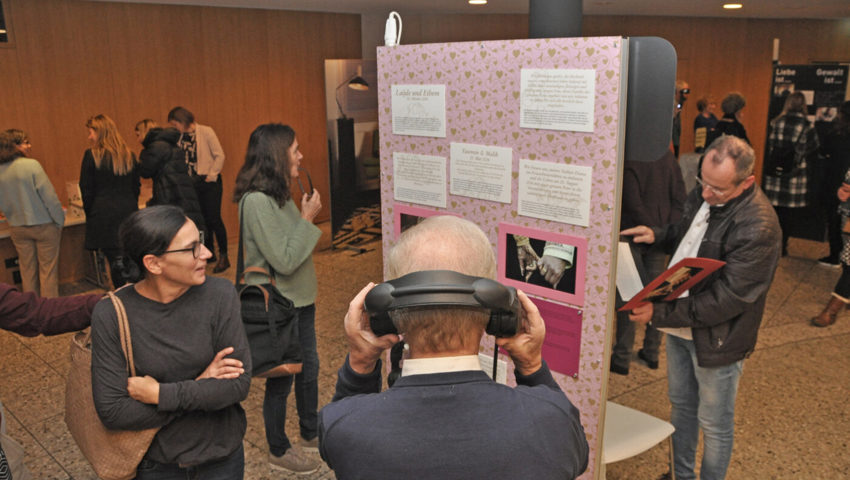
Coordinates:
x,y
790,190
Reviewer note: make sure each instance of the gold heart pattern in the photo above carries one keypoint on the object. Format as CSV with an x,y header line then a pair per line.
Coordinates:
x,y
483,81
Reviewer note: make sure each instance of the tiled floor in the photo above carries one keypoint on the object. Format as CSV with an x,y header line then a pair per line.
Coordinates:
x,y
792,419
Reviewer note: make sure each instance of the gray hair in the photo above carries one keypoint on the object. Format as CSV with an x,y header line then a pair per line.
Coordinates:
x,y
730,146
442,243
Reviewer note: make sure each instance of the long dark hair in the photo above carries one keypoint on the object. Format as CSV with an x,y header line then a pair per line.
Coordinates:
x,y
148,231
266,167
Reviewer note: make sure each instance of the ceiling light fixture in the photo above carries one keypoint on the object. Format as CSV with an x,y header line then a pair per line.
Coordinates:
x,y
733,6
478,2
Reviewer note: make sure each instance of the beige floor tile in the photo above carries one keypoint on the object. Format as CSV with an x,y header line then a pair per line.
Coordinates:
x,y
792,415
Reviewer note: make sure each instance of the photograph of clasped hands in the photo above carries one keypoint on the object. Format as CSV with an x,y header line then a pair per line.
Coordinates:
x,y
544,263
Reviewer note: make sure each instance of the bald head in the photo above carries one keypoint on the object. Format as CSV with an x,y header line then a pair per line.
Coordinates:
x,y
443,243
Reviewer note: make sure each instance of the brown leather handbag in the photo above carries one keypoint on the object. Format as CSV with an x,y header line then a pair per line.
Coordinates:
x,y
114,454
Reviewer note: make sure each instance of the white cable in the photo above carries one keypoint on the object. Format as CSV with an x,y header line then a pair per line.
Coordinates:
x,y
392,36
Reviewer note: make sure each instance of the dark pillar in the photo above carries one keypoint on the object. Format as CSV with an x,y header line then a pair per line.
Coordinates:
x,y
554,18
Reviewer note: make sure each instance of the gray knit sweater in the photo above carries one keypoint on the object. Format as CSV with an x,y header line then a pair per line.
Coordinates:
x,y
201,420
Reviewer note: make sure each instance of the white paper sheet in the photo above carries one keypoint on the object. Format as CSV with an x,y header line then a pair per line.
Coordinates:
x,y
557,99
481,171
419,179
419,110
555,191
628,278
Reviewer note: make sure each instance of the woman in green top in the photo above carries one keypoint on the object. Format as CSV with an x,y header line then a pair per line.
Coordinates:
x,y
277,236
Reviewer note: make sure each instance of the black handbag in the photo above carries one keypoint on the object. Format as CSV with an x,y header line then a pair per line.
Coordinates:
x,y
270,322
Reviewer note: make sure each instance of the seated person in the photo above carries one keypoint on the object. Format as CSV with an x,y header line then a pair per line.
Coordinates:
x,y
444,418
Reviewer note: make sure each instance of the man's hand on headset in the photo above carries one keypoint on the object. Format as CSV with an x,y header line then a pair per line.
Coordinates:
x,y
364,347
526,347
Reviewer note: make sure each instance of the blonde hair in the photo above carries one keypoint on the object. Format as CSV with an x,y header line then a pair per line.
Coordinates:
x,y
109,141
144,126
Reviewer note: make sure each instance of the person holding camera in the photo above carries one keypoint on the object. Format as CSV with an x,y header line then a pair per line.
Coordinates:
x,y
444,417
682,91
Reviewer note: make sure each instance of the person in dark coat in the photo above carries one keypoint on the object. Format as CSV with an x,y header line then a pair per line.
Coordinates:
x,y
653,194
835,150
730,124
109,184
163,161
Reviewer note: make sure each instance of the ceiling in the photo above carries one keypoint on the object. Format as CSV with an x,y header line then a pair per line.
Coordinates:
x,y
824,9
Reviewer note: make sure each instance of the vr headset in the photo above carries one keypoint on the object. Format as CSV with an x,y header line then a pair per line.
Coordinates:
x,y
444,288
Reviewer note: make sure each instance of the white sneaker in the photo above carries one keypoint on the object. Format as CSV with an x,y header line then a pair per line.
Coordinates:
x,y
294,461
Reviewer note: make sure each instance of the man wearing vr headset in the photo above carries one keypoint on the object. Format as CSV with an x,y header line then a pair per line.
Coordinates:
x,y
445,418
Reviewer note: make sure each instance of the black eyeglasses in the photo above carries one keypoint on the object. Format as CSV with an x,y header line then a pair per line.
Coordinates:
x,y
309,181
195,248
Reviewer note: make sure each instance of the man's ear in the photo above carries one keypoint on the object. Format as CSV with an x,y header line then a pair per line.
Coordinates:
x,y
151,263
748,182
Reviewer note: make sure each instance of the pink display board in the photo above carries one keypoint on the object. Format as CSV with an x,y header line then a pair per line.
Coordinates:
x,y
482,82
563,336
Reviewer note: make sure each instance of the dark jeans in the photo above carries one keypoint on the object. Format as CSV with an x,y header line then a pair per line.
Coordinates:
x,y
306,390
654,264
786,219
842,287
116,266
230,468
833,226
209,196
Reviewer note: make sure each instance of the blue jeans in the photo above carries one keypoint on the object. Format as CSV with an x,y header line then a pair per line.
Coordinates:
x,y
702,398
306,390
230,468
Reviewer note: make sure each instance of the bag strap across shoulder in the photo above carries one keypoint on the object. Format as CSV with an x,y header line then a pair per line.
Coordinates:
x,y
240,263
124,332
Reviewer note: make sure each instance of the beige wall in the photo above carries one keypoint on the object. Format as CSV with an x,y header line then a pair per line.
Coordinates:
x,y
233,68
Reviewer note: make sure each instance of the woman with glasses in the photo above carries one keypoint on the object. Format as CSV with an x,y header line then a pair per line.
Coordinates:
x,y
278,237
109,184
189,348
34,214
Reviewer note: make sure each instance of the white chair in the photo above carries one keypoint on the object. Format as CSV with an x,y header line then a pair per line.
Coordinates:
x,y
629,432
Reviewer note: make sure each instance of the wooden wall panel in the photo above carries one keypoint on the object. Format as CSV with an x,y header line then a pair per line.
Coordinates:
x,y
463,28
233,68
237,68
718,56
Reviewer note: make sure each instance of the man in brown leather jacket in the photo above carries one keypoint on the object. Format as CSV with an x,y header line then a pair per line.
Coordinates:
x,y
713,327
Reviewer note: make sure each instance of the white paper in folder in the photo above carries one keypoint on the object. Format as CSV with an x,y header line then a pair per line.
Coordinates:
x,y
628,278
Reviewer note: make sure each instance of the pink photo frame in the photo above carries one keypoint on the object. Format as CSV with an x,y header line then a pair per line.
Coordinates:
x,y
571,285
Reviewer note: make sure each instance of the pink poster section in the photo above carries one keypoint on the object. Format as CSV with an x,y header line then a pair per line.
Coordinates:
x,y
482,89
